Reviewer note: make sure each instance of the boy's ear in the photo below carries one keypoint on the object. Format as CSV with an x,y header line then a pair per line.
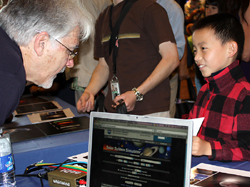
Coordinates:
x,y
40,42
233,48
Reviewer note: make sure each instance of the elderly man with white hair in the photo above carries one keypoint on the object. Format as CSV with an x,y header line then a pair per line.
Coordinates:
x,y
39,38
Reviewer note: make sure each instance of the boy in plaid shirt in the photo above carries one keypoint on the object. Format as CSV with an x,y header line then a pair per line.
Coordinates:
x,y
224,100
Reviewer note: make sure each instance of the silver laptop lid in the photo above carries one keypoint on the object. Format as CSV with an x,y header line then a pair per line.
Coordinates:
x,y
131,151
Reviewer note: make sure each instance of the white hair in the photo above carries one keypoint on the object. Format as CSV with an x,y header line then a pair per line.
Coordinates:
x,y
21,19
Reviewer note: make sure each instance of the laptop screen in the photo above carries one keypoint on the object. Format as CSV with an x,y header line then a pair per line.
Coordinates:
x,y
130,150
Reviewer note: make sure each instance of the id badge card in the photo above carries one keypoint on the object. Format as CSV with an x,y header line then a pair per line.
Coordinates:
x,y
115,88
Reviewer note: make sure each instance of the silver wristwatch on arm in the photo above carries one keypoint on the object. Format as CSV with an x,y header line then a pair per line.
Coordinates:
x,y
139,96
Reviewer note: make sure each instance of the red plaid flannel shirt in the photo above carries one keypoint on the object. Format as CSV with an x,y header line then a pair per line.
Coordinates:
x,y
224,101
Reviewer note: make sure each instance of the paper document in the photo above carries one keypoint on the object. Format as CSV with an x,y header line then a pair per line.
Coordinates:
x,y
51,116
37,107
83,157
197,125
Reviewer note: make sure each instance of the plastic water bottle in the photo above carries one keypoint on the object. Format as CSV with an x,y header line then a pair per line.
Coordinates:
x,y
7,173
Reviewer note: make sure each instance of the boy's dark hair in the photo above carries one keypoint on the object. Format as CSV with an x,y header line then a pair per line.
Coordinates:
x,y
226,27
222,6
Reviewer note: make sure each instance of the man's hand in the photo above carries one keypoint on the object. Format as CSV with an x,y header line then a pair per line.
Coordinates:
x,y
86,102
129,98
201,147
98,80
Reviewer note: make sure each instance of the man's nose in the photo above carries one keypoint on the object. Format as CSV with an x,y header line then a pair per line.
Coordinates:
x,y
70,63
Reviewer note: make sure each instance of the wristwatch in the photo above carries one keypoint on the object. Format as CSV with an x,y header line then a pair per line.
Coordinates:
x,y
139,96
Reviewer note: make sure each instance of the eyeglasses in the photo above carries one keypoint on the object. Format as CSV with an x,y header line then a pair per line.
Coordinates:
x,y
72,54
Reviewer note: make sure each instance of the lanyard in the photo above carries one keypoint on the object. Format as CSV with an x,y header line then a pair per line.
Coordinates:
x,y
113,43
120,19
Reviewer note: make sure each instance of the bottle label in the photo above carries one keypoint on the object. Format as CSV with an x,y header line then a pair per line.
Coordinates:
x,y
6,163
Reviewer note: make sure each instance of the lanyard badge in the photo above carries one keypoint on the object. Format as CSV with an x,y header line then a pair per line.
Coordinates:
x,y
115,88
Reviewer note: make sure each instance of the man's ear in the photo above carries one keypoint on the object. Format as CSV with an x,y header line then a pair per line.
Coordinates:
x,y
40,42
233,49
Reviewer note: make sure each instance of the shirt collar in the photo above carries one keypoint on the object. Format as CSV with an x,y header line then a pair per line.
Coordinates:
x,y
224,78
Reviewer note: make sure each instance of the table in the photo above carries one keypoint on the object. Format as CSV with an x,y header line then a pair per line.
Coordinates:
x,y
57,148
54,148
26,182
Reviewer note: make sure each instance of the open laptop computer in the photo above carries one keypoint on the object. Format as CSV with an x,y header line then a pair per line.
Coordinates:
x,y
138,151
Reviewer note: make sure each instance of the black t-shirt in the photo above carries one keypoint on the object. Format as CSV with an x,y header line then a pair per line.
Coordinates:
x,y
12,76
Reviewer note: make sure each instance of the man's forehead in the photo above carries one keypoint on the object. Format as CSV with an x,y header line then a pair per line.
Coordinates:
x,y
74,34
73,39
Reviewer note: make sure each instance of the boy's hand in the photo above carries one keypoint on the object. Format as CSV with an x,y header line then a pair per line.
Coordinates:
x,y
201,147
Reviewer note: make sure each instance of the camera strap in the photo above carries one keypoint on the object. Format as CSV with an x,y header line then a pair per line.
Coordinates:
x,y
113,43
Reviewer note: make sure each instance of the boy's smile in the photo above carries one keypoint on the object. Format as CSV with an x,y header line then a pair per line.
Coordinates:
x,y
210,55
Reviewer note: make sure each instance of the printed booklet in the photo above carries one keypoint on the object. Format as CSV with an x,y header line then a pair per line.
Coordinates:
x,y
206,175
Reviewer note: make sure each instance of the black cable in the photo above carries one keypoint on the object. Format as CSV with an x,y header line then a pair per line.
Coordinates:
x,y
40,175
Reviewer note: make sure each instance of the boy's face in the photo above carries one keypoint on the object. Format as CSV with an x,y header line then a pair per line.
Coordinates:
x,y
209,53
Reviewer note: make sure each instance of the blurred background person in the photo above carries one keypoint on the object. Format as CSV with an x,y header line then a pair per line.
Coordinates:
x,y
177,22
193,10
241,9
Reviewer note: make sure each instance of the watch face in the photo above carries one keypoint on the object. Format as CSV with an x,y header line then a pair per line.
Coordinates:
x,y
140,99
139,96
